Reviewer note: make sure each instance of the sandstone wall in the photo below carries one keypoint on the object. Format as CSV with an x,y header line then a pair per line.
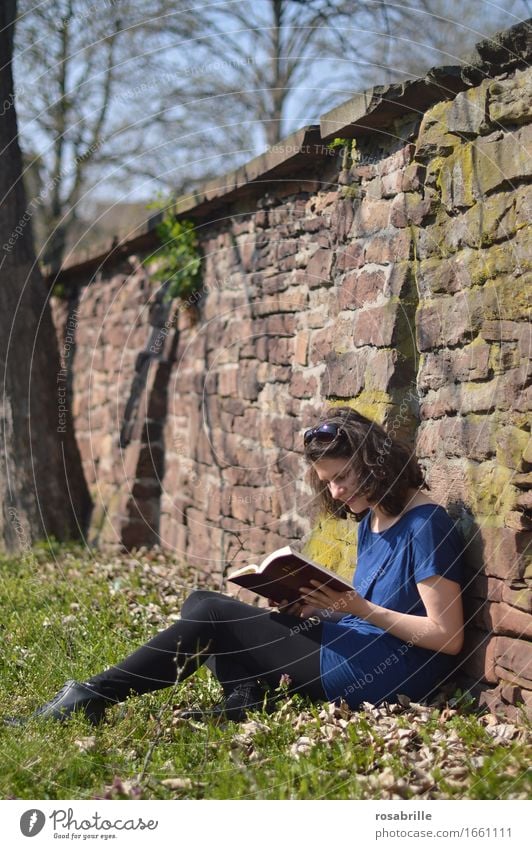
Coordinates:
x,y
393,278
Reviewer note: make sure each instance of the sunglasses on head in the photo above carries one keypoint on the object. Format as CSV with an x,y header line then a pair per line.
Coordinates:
x,y
326,432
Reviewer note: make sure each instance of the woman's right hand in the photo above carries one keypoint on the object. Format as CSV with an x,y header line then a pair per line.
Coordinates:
x,y
284,606
295,608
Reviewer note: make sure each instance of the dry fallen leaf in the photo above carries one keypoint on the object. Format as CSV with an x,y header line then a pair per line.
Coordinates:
x,y
502,731
178,783
85,744
301,747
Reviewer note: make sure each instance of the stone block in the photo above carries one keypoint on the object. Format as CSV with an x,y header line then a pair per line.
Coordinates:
x,y
412,178
395,161
456,436
352,256
511,678
510,446
458,180
342,218
246,424
510,100
284,431
441,274
245,246
430,241
313,225
371,216
280,350
302,386
376,325
270,373
467,113
502,393
344,375
248,383
485,588
518,520
479,649
524,481
373,188
469,267
515,655
502,160
433,138
492,219
319,269
524,345
504,619
260,219
470,363
333,338
390,246
492,700
409,208
447,320
276,283
525,500
518,596
281,324
244,501
401,284
361,287
301,347
381,369
292,301
504,553
228,382
526,696
391,184
286,247
323,201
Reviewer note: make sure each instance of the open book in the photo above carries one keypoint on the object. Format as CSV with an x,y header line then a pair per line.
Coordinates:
x,y
283,572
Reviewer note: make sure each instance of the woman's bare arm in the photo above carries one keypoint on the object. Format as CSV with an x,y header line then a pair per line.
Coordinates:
x,y
440,630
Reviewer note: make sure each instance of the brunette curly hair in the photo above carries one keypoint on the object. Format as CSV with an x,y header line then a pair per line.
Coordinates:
x,y
385,467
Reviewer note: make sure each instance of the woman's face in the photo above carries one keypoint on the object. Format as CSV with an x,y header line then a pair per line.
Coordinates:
x,y
341,480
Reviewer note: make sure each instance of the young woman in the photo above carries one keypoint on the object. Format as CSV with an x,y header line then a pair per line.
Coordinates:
x,y
397,632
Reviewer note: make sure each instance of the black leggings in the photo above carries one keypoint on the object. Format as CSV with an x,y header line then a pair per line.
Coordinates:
x,y
243,643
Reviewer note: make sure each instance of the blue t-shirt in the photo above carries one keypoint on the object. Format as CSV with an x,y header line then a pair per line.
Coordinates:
x,y
362,662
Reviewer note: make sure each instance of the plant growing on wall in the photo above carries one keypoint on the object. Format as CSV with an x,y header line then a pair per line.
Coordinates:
x,y
178,256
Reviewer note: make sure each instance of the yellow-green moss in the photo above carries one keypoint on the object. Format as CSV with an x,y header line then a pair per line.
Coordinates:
x,y
353,192
457,180
371,403
333,543
485,265
433,134
506,301
434,168
491,490
500,361
511,444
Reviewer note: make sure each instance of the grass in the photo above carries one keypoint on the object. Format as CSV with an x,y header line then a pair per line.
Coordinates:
x,y
69,612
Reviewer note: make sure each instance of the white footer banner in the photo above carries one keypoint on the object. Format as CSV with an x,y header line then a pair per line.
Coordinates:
x,y
261,824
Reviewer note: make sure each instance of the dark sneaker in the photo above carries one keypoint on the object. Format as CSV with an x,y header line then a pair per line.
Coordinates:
x,y
72,696
235,707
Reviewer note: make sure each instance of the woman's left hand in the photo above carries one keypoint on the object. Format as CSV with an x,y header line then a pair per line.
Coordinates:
x,y
322,596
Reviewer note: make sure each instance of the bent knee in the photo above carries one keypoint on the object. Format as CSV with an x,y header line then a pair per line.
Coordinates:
x,y
197,599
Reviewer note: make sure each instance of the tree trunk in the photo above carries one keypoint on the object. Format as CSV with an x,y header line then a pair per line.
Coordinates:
x,y
42,486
